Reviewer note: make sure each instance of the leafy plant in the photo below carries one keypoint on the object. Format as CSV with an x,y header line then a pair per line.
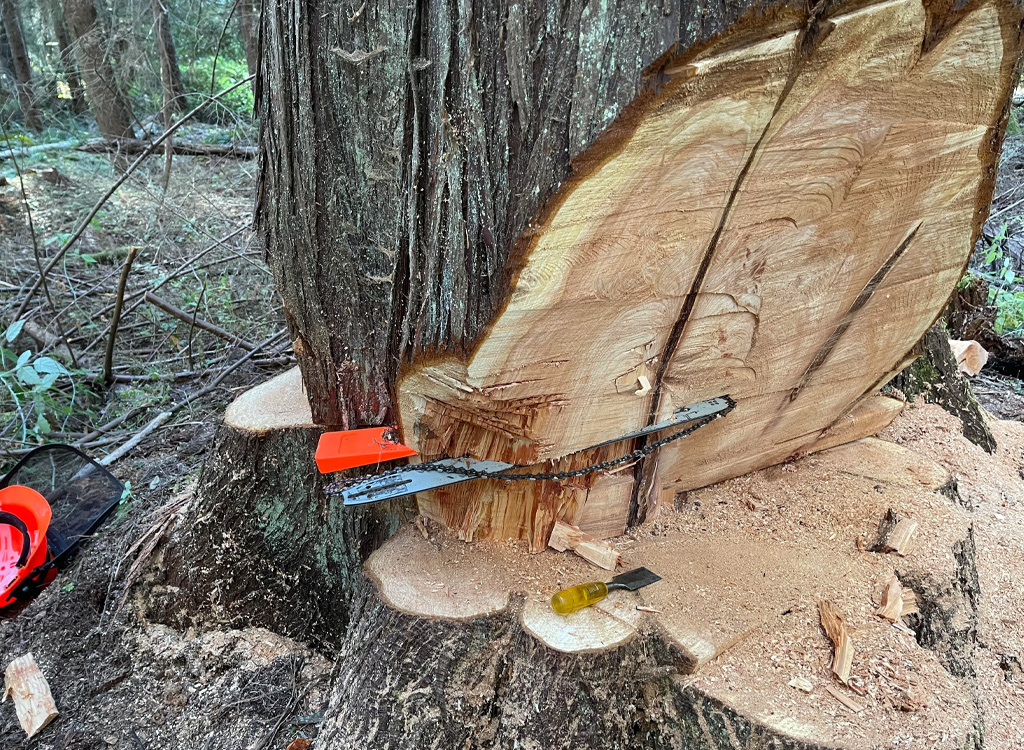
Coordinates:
x,y
31,383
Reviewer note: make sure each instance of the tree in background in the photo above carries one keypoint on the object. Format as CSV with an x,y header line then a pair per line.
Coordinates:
x,y
20,61
170,73
108,103
67,56
248,20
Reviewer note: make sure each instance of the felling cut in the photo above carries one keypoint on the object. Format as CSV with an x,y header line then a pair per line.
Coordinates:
x,y
780,222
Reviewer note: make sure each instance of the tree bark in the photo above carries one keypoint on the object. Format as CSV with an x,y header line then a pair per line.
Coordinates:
x,y
67,59
22,68
434,132
248,30
935,377
170,73
108,103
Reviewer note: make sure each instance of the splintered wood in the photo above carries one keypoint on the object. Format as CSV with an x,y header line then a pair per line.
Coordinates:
x,y
781,222
901,539
26,685
835,629
565,537
892,601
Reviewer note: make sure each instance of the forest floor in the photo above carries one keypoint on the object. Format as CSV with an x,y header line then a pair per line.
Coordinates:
x,y
119,680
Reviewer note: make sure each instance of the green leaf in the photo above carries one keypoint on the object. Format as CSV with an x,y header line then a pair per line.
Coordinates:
x,y
42,426
24,358
48,380
990,256
48,365
28,376
88,258
13,330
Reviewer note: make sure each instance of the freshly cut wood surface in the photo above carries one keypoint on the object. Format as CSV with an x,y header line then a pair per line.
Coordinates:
x,y
25,684
781,222
567,537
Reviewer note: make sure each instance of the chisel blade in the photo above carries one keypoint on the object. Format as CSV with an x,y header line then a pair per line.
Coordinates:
x,y
636,579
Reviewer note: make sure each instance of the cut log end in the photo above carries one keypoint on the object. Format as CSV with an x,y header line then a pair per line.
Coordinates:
x,y
794,273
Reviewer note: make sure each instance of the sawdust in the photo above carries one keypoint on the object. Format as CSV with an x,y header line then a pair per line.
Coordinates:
x,y
746,562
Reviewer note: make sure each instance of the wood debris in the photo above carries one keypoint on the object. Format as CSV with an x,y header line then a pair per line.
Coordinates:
x,y
901,539
850,703
835,629
649,609
892,601
33,702
565,536
970,356
801,683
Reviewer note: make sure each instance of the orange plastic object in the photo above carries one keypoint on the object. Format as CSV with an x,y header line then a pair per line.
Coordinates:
x,y
33,510
337,451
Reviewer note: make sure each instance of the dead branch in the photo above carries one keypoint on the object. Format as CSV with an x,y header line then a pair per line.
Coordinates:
x,y
108,359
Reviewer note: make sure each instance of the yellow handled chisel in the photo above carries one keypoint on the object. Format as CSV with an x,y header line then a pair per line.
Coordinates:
x,y
569,600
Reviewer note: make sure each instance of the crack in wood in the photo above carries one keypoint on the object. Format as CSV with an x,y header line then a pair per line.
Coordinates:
x,y
805,44
847,320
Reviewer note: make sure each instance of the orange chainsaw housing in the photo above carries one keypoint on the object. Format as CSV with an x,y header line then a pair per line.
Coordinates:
x,y
348,449
31,508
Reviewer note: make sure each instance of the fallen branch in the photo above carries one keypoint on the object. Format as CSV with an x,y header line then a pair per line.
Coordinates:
x,y
15,153
185,317
158,420
137,146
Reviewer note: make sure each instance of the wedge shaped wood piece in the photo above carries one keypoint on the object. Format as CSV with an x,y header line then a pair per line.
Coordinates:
x,y
780,222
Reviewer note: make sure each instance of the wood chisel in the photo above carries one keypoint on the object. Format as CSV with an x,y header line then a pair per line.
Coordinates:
x,y
569,600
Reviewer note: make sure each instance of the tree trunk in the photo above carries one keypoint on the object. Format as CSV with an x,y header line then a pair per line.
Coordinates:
x,y
108,103
170,73
22,69
518,232
67,60
248,30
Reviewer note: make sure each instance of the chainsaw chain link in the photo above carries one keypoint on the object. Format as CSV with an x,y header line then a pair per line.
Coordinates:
x,y
515,472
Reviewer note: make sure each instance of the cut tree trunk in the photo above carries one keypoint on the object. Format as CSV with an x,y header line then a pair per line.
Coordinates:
x,y
779,216
492,225
22,69
109,105
67,59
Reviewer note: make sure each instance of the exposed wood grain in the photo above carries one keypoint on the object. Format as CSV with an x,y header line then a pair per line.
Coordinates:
x,y
835,628
567,537
901,538
33,702
782,222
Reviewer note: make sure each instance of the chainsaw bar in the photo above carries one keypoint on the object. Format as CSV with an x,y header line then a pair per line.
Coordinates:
x,y
408,480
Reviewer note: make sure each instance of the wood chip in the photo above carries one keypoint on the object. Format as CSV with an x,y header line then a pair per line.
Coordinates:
x,y
850,703
892,601
801,683
835,629
565,536
649,609
901,538
25,683
909,603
